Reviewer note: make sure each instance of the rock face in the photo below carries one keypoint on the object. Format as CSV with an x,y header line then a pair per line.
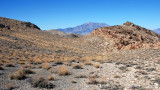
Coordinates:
x,y
84,29
127,34
12,24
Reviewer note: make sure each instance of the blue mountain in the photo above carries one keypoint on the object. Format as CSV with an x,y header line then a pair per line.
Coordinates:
x,y
157,30
83,29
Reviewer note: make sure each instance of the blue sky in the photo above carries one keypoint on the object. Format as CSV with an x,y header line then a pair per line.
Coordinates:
x,y
52,14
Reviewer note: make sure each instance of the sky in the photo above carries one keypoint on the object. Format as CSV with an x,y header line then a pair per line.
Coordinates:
x,y
53,14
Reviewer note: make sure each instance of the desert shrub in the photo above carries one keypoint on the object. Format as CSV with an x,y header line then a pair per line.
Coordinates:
x,y
10,65
1,68
137,88
77,66
58,61
117,76
88,62
150,69
62,71
68,63
41,83
46,65
18,75
36,61
96,65
52,77
28,71
81,76
92,81
112,87
10,86
73,81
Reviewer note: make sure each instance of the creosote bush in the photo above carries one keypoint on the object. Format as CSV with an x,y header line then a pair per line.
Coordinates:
x,y
96,65
45,65
18,75
52,77
62,71
41,83
77,66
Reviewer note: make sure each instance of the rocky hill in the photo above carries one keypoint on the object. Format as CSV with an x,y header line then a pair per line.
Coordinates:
x,y
84,29
127,34
12,24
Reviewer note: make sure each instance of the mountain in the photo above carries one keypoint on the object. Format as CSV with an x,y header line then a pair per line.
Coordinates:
x,y
84,29
157,30
127,35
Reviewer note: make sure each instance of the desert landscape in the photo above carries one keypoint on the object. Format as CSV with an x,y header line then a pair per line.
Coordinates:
x,y
119,57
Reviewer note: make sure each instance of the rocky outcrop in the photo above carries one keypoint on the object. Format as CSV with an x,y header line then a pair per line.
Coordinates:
x,y
127,35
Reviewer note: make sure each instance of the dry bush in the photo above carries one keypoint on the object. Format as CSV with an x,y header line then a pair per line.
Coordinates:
x,y
88,62
62,71
77,66
117,76
10,64
1,68
68,63
58,61
28,66
81,76
41,83
96,65
46,65
36,61
52,77
92,81
6,61
28,71
20,62
48,60
18,75
1,63
10,85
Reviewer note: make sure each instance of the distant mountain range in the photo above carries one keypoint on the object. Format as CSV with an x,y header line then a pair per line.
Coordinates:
x,y
83,29
157,30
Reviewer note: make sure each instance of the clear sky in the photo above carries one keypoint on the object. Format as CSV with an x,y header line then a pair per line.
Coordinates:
x,y
52,14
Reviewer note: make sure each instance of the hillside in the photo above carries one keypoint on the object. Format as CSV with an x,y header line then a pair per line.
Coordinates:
x,y
84,29
34,59
127,36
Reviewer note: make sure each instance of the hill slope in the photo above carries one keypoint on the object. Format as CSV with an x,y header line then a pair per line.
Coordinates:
x,y
127,34
84,29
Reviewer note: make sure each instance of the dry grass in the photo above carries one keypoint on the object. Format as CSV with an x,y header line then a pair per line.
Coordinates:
x,y
10,85
77,66
52,77
96,65
1,68
18,75
46,65
62,71
58,61
36,61
10,64
92,80
88,62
